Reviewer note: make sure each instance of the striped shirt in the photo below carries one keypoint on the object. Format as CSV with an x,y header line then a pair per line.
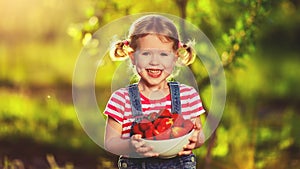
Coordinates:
x,y
119,108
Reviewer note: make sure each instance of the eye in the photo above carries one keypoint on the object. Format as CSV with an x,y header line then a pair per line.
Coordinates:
x,y
164,54
146,53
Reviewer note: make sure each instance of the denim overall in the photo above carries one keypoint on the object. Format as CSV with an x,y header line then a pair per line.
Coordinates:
x,y
178,162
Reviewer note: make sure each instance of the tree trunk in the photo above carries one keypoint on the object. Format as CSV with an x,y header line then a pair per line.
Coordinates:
x,y
211,143
182,10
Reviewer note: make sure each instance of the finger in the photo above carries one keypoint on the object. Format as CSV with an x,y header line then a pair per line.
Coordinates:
x,y
196,131
184,152
201,137
151,154
189,146
197,126
139,144
147,152
144,149
136,137
193,139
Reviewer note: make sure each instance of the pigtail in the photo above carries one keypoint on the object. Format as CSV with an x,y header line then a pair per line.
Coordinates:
x,y
186,53
120,50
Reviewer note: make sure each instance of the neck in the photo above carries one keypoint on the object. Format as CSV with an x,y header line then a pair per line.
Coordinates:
x,y
154,91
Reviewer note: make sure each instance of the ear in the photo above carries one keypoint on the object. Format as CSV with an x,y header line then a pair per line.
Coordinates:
x,y
176,57
131,56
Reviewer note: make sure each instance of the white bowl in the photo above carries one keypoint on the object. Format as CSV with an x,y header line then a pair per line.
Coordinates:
x,y
169,148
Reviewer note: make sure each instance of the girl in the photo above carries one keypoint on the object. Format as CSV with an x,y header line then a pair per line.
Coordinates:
x,y
154,48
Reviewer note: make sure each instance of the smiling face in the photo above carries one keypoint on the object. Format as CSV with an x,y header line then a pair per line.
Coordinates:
x,y
154,60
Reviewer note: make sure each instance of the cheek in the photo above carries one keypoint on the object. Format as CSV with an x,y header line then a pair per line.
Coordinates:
x,y
138,68
169,69
170,63
139,65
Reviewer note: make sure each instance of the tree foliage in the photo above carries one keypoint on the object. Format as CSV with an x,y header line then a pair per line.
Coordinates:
x,y
233,27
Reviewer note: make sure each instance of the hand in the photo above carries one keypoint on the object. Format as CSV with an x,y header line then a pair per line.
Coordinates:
x,y
187,149
195,141
139,146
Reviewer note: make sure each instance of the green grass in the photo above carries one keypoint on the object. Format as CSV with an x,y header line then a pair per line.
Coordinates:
x,y
44,120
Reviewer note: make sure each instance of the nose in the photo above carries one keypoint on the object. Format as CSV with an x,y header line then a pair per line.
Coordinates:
x,y
154,59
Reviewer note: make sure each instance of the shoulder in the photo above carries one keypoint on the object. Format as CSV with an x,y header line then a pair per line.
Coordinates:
x,y
120,93
121,90
187,89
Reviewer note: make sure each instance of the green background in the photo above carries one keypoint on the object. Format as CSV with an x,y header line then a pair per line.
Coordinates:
x,y
258,43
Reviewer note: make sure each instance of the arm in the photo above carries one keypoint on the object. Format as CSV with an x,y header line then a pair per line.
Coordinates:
x,y
115,144
113,141
199,133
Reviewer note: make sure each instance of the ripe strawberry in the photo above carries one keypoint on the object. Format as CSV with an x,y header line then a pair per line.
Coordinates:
x,y
152,116
161,129
175,116
165,113
149,134
156,122
136,129
145,124
156,132
178,132
164,124
178,120
188,125
164,135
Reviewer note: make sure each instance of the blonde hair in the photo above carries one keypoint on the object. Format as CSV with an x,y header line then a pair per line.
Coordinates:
x,y
158,25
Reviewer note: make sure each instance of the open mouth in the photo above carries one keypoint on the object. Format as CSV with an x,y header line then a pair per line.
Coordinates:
x,y
154,72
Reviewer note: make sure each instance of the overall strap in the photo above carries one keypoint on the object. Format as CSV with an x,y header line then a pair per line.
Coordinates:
x,y
175,97
135,101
